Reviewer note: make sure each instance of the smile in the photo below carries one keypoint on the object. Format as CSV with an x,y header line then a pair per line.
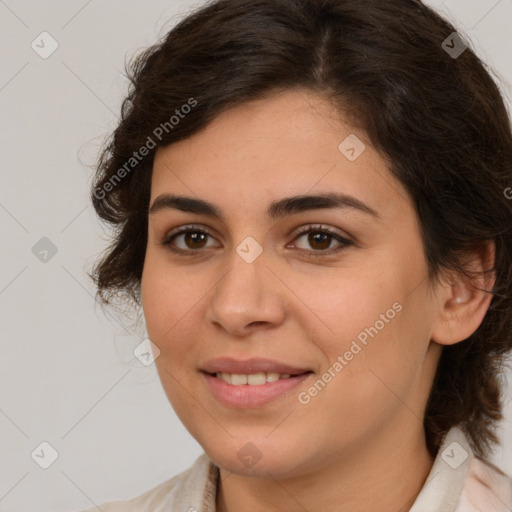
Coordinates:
x,y
251,379
253,390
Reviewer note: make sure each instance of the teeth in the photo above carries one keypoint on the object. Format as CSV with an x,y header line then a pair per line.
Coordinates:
x,y
253,379
238,379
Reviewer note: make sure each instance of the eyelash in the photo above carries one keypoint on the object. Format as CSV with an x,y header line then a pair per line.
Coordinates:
x,y
167,242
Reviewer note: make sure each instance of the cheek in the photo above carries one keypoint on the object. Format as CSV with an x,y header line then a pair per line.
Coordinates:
x,y
341,306
168,298
370,319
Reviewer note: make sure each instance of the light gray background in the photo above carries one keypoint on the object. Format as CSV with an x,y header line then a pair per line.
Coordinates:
x,y
68,375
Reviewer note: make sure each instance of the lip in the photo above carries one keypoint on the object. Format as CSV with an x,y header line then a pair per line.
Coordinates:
x,y
246,396
231,365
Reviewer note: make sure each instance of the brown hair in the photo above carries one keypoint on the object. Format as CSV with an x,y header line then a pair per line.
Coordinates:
x,y
438,118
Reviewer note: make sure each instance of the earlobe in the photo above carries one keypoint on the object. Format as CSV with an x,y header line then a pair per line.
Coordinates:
x,y
463,303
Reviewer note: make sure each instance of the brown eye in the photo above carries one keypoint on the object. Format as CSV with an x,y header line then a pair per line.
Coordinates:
x,y
194,239
188,240
318,241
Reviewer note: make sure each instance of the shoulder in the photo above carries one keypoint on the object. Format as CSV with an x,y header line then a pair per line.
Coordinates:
x,y
459,481
486,488
190,491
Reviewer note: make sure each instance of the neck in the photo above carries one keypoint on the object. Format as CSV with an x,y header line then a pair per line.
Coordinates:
x,y
387,474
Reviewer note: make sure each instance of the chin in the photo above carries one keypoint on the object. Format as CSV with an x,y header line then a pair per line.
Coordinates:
x,y
257,458
262,468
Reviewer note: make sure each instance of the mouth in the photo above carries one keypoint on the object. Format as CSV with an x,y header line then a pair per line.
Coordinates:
x,y
271,368
254,379
253,387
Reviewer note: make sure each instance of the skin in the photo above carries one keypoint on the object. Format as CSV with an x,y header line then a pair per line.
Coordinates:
x,y
359,444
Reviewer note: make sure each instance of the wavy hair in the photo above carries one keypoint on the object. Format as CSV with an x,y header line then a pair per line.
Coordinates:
x,y
437,118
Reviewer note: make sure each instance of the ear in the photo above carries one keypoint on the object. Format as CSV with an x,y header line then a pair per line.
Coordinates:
x,y
463,303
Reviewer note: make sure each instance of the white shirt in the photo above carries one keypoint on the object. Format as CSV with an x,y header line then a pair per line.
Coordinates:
x,y
457,482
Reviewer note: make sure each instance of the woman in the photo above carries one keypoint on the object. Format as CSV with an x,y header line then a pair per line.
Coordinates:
x,y
312,211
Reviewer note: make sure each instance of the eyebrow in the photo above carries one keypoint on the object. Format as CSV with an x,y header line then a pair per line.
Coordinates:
x,y
277,209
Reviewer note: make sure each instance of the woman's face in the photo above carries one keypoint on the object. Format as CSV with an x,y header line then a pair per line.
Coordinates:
x,y
346,309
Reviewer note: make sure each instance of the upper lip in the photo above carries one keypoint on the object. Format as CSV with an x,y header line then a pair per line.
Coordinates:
x,y
248,366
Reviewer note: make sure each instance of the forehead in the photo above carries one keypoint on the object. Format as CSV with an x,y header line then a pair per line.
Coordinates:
x,y
291,143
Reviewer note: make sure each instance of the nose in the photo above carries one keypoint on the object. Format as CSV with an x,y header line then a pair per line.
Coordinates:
x,y
248,297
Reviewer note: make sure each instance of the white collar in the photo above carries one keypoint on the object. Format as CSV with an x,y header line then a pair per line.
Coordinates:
x,y
447,478
458,482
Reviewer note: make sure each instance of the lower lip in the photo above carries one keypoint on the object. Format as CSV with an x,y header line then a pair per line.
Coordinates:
x,y
246,395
